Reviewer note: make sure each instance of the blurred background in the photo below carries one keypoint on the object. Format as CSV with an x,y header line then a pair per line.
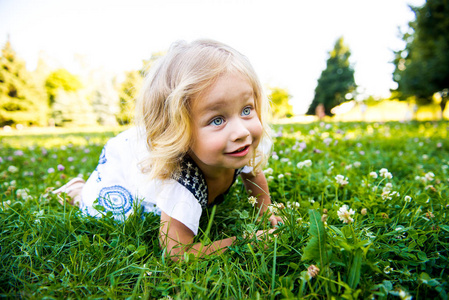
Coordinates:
x,y
79,63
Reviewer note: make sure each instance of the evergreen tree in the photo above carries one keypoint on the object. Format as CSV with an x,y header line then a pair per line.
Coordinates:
x,y
421,69
21,100
280,106
335,82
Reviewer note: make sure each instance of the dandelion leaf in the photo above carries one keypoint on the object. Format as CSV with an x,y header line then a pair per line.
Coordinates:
x,y
316,247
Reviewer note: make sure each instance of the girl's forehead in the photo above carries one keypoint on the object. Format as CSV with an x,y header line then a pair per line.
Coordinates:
x,y
229,90
207,86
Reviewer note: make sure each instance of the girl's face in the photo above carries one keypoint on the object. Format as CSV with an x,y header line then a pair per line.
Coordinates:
x,y
226,128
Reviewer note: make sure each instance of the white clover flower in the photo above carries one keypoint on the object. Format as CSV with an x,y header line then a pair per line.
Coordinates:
x,y
341,180
12,169
252,200
386,190
429,176
18,153
311,200
280,205
388,270
23,193
348,167
275,157
357,164
344,214
386,195
404,296
327,141
280,176
307,163
373,175
284,159
383,171
407,198
273,209
293,205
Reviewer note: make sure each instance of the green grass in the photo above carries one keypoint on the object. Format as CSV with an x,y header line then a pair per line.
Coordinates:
x,y
399,248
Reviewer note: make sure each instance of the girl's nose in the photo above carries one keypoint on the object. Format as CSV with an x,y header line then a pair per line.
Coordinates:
x,y
239,130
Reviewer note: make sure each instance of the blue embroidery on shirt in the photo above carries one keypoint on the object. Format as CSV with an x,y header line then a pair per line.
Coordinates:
x,y
116,199
103,159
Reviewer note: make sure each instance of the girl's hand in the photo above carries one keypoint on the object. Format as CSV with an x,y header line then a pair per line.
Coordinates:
x,y
274,220
263,235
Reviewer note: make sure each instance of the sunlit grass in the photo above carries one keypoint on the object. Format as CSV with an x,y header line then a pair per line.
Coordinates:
x,y
395,246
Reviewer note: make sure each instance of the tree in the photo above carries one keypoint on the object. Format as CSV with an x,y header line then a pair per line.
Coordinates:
x,y
129,89
421,68
67,99
280,106
21,99
336,82
61,80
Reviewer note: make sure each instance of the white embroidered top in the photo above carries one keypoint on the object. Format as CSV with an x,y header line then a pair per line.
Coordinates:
x,y
118,184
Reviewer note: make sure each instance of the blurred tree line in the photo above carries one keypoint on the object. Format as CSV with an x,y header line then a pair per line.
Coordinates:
x,y
58,98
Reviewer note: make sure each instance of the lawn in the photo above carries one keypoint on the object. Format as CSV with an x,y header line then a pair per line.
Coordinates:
x,y
364,208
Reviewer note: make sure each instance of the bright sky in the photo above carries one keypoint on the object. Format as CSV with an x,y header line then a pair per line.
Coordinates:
x,y
287,41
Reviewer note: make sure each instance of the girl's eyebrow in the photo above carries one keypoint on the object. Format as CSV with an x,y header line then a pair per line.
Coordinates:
x,y
221,102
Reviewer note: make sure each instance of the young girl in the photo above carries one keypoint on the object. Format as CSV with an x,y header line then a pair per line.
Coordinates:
x,y
200,123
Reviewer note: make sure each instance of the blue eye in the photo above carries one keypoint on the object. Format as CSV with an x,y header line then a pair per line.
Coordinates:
x,y
217,121
246,111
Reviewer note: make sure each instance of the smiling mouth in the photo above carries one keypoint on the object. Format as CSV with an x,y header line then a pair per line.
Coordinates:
x,y
240,150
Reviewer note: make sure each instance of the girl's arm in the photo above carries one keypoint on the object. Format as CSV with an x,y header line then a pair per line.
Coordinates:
x,y
257,186
177,239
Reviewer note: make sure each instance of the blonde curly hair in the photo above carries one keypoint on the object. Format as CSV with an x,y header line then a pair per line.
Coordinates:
x,y
163,106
